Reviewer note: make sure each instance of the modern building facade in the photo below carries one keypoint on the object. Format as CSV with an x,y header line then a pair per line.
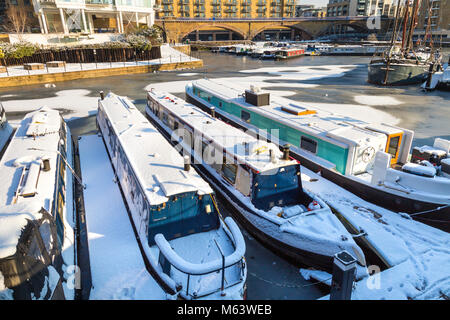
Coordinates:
x,y
337,8
92,15
436,13
227,9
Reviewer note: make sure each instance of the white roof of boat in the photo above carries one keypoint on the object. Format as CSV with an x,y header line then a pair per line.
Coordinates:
x,y
157,164
322,123
231,139
40,130
20,153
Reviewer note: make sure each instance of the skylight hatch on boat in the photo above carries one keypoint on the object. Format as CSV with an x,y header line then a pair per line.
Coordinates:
x,y
303,112
43,123
29,180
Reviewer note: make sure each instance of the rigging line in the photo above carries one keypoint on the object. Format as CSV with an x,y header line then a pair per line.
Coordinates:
x,y
432,210
67,164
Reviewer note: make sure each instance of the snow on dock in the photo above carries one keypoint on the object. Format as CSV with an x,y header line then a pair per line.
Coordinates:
x,y
417,254
118,270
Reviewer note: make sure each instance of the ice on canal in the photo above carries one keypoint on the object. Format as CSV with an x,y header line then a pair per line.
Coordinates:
x,y
118,270
417,254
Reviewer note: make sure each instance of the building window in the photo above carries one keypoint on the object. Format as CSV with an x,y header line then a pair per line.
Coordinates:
x,y
308,144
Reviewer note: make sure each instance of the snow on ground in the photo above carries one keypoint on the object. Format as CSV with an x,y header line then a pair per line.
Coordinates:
x,y
118,270
419,254
168,55
377,100
74,104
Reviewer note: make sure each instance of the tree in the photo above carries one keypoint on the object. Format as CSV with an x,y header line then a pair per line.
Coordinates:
x,y
17,19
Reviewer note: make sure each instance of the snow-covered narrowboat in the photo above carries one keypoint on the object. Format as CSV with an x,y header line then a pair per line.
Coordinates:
x,y
289,53
6,131
190,250
262,184
369,159
36,210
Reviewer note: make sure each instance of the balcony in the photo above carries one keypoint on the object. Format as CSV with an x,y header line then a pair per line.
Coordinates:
x,y
246,9
261,10
199,2
215,3
261,3
230,10
166,1
199,9
216,10
246,3
183,2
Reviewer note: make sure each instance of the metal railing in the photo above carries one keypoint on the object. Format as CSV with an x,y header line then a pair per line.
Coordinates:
x,y
167,261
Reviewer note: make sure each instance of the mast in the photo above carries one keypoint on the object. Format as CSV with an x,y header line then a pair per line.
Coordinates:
x,y
412,24
394,31
405,21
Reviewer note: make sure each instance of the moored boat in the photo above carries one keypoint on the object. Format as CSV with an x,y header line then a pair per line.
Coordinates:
x,y
191,251
36,210
289,53
368,159
262,184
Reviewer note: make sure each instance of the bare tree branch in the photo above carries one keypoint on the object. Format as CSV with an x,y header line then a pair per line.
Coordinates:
x,y
17,19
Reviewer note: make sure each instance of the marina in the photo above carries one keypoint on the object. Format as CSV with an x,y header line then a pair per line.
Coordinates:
x,y
372,159
410,254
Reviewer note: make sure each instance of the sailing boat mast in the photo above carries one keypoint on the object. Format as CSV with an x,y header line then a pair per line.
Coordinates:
x,y
405,21
412,25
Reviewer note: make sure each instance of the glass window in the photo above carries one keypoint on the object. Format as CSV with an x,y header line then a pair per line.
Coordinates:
x,y
308,144
245,116
393,146
229,171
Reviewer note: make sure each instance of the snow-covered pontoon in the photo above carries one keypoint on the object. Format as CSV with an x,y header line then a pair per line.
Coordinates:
x,y
187,245
36,210
262,184
372,160
6,130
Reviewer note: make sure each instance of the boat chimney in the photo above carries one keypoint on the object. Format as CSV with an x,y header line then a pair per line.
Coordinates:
x,y
213,112
46,162
102,95
272,156
187,163
286,148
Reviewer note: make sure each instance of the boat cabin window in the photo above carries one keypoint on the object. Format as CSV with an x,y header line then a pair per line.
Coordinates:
x,y
182,214
165,118
229,171
220,104
308,144
393,147
277,187
245,116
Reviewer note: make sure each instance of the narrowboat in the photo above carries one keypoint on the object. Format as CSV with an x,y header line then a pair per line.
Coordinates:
x,y
262,184
189,249
369,159
6,131
289,53
36,210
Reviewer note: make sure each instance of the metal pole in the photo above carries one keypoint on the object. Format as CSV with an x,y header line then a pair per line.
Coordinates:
x,y
344,267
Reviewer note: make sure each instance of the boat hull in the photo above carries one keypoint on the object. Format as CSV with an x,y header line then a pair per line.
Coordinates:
x,y
397,74
439,219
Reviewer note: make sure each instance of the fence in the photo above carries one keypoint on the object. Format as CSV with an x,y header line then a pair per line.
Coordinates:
x,y
87,56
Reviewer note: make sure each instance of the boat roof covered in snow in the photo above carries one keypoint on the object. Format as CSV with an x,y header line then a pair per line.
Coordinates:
x,y
332,127
157,165
25,188
242,146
